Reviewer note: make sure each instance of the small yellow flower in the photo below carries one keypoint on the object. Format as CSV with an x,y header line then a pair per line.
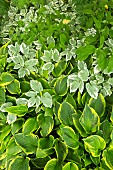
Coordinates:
x,y
66,21
106,6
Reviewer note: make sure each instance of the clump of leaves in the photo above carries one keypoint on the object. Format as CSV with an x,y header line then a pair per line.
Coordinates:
x,y
56,86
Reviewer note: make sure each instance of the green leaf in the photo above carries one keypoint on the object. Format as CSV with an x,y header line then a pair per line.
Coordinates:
x,y
97,23
69,137
2,95
98,104
40,162
14,87
108,157
70,166
29,126
61,151
12,148
59,68
84,52
46,99
28,143
25,86
110,64
6,130
92,89
53,165
6,78
78,125
19,163
95,160
46,126
102,60
20,110
36,86
17,125
89,120
61,86
65,113
94,144
70,99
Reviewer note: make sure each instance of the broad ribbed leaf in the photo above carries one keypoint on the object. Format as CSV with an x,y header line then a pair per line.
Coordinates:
x,y
70,166
69,137
65,113
19,110
19,163
53,165
94,144
28,143
89,120
61,86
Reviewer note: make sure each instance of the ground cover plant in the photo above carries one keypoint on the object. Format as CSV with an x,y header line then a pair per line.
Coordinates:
x,y
56,85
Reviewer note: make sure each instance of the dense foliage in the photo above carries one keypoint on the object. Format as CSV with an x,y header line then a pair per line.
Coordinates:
x,y
56,85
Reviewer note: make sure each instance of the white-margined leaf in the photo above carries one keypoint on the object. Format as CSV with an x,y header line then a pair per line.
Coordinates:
x,y
81,86
37,101
24,49
82,65
36,86
31,101
20,101
47,56
21,72
92,89
31,62
11,118
74,85
83,75
46,99
48,66
56,55
4,106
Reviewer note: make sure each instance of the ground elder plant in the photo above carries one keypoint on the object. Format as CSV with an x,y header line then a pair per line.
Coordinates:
x,y
56,85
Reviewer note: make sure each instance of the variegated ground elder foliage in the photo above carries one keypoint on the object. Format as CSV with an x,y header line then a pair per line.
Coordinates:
x,y
56,85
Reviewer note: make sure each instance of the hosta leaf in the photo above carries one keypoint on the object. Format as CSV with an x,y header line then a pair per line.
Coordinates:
x,y
70,166
46,126
92,89
102,60
46,99
40,162
36,86
53,165
2,95
19,163
83,52
98,104
69,137
89,120
28,143
108,157
61,150
17,125
94,144
12,148
65,113
19,110
78,125
70,99
59,68
61,86
14,87
5,132
29,126
6,78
